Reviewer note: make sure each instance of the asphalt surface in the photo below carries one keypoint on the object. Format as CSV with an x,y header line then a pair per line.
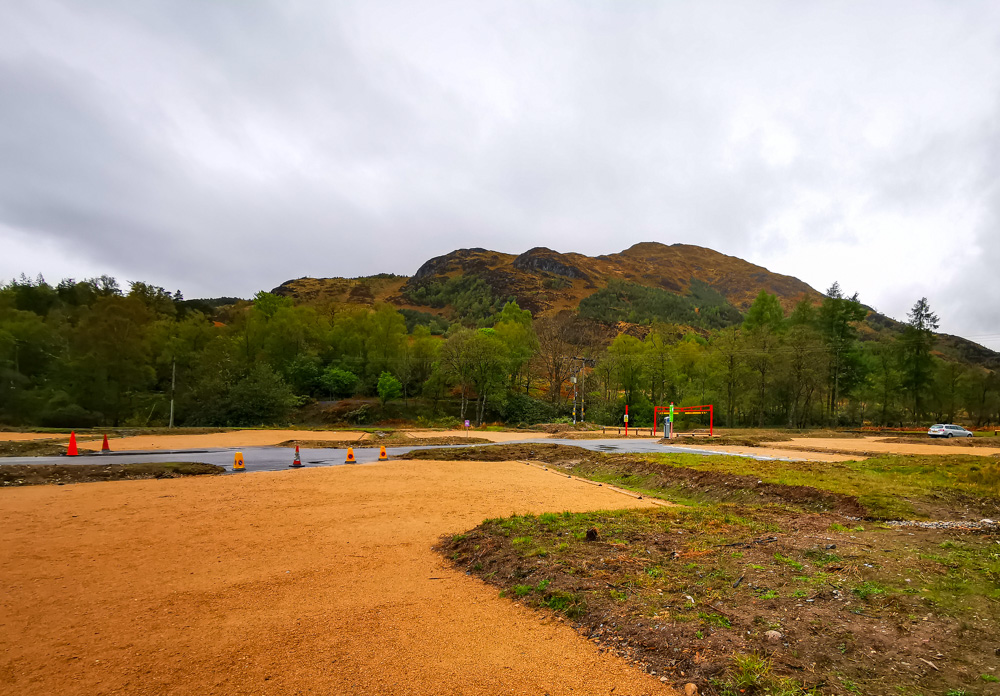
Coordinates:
x,y
278,458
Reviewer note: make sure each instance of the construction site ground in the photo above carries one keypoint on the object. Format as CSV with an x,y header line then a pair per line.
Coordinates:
x,y
829,447
319,581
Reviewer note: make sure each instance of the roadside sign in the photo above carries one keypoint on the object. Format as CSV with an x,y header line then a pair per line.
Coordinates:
x,y
626,418
466,424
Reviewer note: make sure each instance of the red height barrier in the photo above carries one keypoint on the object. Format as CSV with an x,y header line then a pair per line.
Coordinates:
x,y
707,408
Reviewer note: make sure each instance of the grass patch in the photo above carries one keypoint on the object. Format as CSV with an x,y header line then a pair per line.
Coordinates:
x,y
868,589
766,546
880,488
886,486
712,580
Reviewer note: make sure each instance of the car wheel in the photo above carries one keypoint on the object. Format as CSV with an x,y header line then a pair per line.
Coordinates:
x,y
948,435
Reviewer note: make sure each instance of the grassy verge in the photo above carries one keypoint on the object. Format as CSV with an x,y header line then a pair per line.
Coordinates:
x,y
758,600
887,486
883,488
39,474
760,584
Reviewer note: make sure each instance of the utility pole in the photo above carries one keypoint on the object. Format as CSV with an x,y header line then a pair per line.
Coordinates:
x,y
173,385
584,362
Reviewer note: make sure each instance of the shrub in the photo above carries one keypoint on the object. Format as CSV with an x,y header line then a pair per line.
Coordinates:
x,y
338,382
388,387
68,415
520,408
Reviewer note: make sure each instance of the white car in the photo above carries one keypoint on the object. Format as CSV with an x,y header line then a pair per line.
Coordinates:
x,y
940,430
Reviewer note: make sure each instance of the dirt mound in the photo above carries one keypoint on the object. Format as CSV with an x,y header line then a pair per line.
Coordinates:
x,y
31,448
354,411
553,428
38,474
736,439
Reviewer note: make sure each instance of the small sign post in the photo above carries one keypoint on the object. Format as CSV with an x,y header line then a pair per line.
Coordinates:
x,y
626,420
466,428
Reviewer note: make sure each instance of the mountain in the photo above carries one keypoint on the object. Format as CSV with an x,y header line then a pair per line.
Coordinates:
x,y
680,283
546,281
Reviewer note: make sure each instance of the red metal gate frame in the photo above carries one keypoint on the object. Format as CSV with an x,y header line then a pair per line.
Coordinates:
x,y
687,409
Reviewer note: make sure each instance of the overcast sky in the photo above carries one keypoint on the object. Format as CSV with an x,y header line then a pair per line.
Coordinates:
x,y
224,147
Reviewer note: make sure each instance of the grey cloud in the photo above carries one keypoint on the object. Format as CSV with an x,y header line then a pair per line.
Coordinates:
x,y
225,147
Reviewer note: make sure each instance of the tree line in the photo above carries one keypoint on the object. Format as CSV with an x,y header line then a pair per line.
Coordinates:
x,y
92,353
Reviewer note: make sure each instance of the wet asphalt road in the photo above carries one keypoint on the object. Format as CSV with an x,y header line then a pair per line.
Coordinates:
x,y
279,458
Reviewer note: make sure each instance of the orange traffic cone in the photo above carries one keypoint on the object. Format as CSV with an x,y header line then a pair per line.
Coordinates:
x,y
297,462
72,451
350,456
382,456
238,463
105,447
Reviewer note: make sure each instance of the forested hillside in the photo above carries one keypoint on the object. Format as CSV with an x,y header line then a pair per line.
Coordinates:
x,y
94,353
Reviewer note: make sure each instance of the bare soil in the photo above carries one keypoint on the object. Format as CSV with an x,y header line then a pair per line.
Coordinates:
x,y
312,581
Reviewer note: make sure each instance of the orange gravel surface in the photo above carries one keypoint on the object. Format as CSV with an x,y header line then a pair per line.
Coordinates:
x,y
233,438
875,445
255,438
16,437
829,449
786,452
317,581
491,435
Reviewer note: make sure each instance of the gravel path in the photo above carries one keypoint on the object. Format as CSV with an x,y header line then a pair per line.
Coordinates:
x,y
831,449
317,581
984,524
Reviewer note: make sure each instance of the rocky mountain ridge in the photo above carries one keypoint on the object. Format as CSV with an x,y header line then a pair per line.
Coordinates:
x,y
548,282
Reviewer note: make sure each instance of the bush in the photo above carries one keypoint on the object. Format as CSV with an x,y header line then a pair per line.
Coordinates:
x,y
640,412
625,301
303,374
437,325
338,382
521,408
260,397
363,415
235,399
68,415
388,387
